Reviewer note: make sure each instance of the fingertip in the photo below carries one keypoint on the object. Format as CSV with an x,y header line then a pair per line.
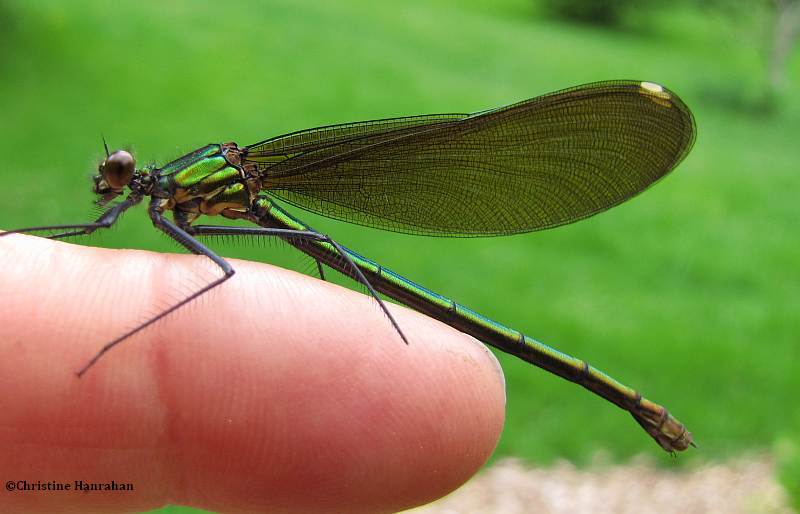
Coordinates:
x,y
276,392
334,398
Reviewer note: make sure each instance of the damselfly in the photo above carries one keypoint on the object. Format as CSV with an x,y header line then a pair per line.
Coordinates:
x,y
536,164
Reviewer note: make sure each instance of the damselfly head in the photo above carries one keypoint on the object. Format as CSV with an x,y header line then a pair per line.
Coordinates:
x,y
115,172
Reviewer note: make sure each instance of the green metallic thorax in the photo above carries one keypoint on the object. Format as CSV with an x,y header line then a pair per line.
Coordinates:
x,y
208,181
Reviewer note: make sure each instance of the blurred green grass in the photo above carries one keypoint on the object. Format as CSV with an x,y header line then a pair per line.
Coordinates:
x,y
689,293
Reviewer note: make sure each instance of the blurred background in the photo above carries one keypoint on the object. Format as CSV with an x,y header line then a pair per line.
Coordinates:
x,y
689,293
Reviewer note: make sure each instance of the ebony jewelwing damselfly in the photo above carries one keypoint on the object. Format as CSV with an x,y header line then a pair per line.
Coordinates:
x,y
536,164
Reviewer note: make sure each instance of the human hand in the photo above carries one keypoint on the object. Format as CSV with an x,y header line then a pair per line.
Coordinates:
x,y
275,392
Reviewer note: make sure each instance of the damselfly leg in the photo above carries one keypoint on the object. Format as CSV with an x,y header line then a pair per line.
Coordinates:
x,y
106,220
309,235
191,244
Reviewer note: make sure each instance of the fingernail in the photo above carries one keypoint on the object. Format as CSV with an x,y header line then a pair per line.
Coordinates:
x,y
495,363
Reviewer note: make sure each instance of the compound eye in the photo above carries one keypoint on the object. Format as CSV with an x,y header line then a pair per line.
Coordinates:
x,y
118,169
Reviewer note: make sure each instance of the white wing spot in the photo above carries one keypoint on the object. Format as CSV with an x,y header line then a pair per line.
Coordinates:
x,y
656,93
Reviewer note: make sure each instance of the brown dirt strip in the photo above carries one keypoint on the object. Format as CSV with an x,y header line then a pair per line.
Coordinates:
x,y
746,485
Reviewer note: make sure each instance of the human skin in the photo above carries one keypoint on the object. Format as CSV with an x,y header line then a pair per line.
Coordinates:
x,y
275,392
